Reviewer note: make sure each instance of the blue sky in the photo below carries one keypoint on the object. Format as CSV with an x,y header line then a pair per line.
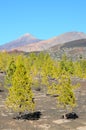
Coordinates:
x,y
42,18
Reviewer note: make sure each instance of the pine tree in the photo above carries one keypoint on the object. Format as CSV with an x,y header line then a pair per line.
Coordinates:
x,y
9,73
82,63
65,90
4,59
20,96
78,70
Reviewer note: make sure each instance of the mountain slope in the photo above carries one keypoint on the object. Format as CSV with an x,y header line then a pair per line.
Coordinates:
x,y
22,41
72,44
73,49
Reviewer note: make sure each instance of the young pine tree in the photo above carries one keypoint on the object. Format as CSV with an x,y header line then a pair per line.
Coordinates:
x,y
65,90
9,73
20,96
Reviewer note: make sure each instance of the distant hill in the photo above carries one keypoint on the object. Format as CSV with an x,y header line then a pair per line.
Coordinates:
x,y
71,44
74,49
20,42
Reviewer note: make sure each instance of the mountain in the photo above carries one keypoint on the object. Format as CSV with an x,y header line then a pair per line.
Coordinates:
x,y
70,43
20,42
56,41
62,39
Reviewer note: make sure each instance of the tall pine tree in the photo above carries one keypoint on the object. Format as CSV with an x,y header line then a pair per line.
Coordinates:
x,y
20,96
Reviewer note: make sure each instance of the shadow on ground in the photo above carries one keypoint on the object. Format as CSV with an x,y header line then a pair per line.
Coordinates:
x,y
71,115
30,116
1,90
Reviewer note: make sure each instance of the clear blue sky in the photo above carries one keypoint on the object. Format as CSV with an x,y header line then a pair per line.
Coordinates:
x,y
42,18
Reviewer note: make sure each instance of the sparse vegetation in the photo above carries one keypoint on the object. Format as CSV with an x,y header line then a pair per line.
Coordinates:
x,y
24,73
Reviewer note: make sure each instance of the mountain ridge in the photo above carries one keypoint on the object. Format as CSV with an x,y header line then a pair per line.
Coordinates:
x,y
29,43
58,40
